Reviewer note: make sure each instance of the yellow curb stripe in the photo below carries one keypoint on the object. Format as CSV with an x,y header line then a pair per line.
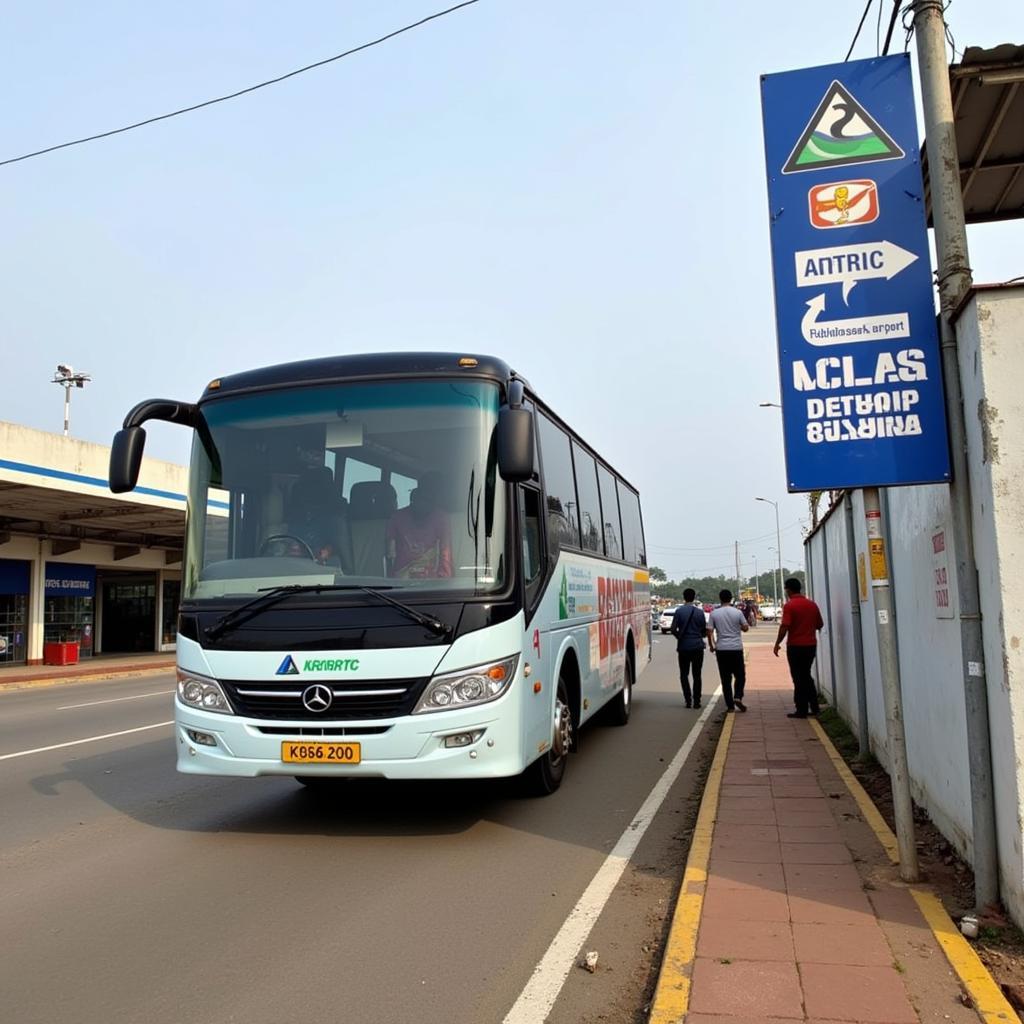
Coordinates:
x,y
857,791
672,995
988,998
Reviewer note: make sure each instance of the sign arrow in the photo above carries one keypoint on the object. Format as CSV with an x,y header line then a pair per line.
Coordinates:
x,y
848,264
851,329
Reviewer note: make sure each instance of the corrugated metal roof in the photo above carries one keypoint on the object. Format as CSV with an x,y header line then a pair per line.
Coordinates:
x,y
988,109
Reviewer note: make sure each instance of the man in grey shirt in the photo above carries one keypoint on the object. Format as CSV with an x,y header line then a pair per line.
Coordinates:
x,y
726,626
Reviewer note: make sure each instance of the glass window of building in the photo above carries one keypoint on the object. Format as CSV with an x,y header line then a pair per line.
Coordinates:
x,y
590,504
169,611
69,598
563,514
14,581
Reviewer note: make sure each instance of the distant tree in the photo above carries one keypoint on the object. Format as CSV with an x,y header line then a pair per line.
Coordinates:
x,y
657,574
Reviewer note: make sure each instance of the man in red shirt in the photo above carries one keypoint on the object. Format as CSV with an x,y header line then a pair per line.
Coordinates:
x,y
801,620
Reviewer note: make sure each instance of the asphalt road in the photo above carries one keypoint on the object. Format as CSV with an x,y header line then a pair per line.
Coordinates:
x,y
131,893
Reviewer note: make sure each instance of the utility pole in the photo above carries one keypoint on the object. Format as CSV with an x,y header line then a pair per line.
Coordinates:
x,y
954,280
889,663
68,379
739,578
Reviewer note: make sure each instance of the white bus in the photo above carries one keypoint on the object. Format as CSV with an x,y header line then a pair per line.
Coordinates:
x,y
400,566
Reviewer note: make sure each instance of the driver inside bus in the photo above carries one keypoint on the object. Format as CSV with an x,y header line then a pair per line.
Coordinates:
x,y
419,536
316,518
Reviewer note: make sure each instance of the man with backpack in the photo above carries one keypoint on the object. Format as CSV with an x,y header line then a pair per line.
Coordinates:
x,y
688,627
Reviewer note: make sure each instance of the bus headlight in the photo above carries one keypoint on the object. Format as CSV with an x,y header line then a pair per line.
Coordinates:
x,y
203,693
468,687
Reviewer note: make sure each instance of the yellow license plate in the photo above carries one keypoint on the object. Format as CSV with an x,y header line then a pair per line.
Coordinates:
x,y
304,752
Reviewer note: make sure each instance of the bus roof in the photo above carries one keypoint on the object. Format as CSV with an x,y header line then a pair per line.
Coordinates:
x,y
381,365
354,367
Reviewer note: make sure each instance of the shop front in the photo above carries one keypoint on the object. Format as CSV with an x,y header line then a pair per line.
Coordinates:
x,y
14,589
69,606
128,612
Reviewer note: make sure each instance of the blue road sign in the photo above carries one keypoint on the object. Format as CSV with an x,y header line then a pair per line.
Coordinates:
x,y
859,364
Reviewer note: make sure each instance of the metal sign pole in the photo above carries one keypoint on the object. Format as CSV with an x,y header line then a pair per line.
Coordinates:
x,y
954,280
888,656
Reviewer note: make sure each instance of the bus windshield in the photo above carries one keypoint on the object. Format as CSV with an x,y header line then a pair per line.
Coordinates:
x,y
387,483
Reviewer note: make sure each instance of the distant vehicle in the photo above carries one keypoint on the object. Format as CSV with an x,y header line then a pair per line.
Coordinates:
x,y
665,623
769,612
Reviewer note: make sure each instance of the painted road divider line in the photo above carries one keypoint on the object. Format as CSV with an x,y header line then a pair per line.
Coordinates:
x,y
538,997
87,739
113,700
988,998
672,994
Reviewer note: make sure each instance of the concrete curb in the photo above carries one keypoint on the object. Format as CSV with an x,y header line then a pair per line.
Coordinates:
x,y
989,1001
672,994
92,677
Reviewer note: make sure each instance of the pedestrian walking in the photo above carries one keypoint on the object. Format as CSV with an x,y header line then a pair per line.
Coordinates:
x,y
726,626
689,627
801,620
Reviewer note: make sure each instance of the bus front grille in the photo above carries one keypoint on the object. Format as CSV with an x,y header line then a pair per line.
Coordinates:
x,y
381,698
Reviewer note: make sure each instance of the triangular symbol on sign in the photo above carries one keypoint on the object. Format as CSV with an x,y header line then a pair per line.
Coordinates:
x,y
840,132
287,667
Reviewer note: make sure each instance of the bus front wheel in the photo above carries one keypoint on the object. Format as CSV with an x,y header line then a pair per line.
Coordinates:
x,y
545,775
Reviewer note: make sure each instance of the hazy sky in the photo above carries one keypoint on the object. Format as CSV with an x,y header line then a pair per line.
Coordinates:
x,y
576,186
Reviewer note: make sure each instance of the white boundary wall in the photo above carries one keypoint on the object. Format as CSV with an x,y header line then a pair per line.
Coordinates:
x,y
991,348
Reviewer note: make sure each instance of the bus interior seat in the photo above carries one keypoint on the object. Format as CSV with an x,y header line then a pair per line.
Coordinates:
x,y
371,504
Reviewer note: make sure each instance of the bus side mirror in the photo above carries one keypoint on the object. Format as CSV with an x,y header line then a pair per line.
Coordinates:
x,y
515,444
126,459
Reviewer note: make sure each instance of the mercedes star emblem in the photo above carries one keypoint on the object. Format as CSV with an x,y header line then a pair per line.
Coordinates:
x,y
317,697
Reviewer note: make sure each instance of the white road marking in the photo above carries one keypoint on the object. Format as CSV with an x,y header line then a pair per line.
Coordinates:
x,y
535,1001
88,739
113,700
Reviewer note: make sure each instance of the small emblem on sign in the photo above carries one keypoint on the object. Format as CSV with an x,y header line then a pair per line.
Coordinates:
x,y
843,204
287,667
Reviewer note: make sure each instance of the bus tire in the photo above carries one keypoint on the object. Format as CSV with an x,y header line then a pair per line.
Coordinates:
x,y
545,775
620,706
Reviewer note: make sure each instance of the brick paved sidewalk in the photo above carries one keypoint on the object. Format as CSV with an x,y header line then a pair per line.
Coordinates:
x,y
804,917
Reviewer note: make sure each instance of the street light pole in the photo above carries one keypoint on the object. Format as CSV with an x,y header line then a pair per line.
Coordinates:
x,y
778,541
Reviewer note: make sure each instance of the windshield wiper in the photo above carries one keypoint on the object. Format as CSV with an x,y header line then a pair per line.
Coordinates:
x,y
436,626
273,595
266,598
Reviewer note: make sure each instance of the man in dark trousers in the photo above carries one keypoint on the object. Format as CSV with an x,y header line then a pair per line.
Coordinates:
x,y
801,620
726,626
688,627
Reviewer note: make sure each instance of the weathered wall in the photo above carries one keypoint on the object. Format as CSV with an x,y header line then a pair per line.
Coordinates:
x,y
991,345
991,348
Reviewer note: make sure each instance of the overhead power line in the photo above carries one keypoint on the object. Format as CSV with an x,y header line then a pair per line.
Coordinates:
x,y
856,35
239,92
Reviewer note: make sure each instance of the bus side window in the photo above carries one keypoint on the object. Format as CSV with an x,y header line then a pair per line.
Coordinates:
x,y
533,564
